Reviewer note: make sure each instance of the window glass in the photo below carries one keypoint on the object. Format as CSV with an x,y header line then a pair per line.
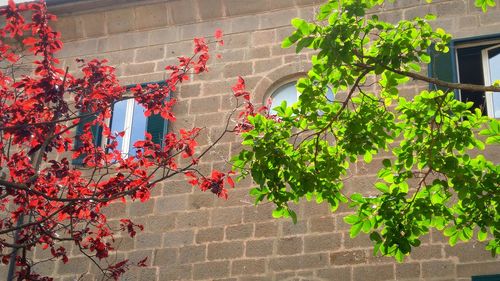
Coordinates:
x,y
289,93
329,95
128,116
138,127
118,120
494,74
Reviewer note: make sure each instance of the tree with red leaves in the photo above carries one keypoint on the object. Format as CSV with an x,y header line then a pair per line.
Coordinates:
x,y
44,199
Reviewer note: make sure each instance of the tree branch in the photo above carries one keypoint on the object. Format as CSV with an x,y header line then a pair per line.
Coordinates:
x,y
435,81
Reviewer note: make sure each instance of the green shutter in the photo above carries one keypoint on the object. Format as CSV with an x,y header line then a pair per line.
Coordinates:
x,y
443,67
157,127
486,278
96,132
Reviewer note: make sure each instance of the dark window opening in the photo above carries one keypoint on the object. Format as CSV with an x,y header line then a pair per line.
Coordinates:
x,y
480,65
472,61
470,71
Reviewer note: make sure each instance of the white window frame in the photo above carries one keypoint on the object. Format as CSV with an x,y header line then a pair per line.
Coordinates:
x,y
487,80
127,126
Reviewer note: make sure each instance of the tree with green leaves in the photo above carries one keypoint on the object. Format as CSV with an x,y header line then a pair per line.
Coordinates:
x,y
433,179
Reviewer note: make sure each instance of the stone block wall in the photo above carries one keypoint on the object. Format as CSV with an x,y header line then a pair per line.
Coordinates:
x,y
190,235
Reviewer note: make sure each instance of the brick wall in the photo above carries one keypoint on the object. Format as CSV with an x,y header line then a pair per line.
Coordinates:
x,y
190,235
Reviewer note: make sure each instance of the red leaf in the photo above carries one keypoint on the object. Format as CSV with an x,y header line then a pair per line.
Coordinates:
x,y
12,5
218,34
193,178
142,263
30,41
230,182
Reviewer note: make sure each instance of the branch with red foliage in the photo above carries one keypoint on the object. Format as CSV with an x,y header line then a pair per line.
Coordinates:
x,y
44,199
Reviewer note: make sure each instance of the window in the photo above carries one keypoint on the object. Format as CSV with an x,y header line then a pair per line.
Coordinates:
x,y
288,92
491,68
127,116
486,278
473,61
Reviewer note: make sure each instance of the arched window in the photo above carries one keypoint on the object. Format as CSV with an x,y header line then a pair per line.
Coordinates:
x,y
288,92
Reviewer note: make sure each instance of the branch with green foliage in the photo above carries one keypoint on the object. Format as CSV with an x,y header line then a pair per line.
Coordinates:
x,y
431,181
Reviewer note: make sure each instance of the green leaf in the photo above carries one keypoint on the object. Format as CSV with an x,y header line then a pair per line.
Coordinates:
x,y
430,17
450,231
484,4
368,157
293,215
255,192
399,256
376,248
466,234
355,229
304,43
289,41
382,187
351,219
301,26
356,197
278,213
453,239
482,235
367,226
425,58
314,146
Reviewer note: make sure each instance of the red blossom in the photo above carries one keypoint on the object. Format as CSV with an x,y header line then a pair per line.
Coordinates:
x,y
127,224
39,115
218,34
243,125
218,37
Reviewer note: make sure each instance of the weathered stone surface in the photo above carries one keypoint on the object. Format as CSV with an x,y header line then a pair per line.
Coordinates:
x,y
259,248
150,16
348,257
245,267
375,273
192,235
225,250
322,243
211,270
290,245
121,20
